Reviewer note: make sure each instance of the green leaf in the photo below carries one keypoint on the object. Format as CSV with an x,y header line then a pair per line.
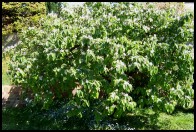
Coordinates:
x,y
175,68
111,109
127,87
86,102
98,116
169,107
97,95
118,113
131,105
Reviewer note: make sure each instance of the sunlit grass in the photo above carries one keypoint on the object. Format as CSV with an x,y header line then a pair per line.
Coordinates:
x,y
5,77
179,121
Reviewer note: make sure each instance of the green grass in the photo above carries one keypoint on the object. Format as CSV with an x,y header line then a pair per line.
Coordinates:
x,y
34,119
5,77
178,121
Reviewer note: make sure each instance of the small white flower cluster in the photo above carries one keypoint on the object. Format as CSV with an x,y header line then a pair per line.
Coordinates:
x,y
68,10
88,36
85,17
52,14
41,77
31,28
54,30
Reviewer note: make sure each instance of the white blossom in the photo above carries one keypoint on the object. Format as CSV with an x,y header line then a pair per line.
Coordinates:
x,y
40,78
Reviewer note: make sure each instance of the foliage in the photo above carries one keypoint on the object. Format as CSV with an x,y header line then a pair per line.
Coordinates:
x,y
53,7
109,58
18,15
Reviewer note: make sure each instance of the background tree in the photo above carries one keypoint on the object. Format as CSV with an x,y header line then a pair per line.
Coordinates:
x,y
54,7
20,15
14,12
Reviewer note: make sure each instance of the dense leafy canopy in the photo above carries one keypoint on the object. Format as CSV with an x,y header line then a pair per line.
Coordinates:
x,y
111,57
53,7
18,15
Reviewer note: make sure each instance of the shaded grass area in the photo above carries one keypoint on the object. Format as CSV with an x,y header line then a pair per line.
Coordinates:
x,y
34,119
31,119
6,80
23,119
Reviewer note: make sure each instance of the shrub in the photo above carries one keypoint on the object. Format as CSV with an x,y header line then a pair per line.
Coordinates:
x,y
18,15
114,56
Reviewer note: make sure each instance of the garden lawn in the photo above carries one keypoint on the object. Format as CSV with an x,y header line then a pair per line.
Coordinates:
x,y
179,121
5,78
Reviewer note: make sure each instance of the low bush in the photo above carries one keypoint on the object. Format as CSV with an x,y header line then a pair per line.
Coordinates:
x,y
108,57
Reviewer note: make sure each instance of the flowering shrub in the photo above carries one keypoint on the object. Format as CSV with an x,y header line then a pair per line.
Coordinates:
x,y
114,56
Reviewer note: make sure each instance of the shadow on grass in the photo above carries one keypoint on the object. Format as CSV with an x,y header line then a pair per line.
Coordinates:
x,y
33,118
141,121
25,119
183,110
